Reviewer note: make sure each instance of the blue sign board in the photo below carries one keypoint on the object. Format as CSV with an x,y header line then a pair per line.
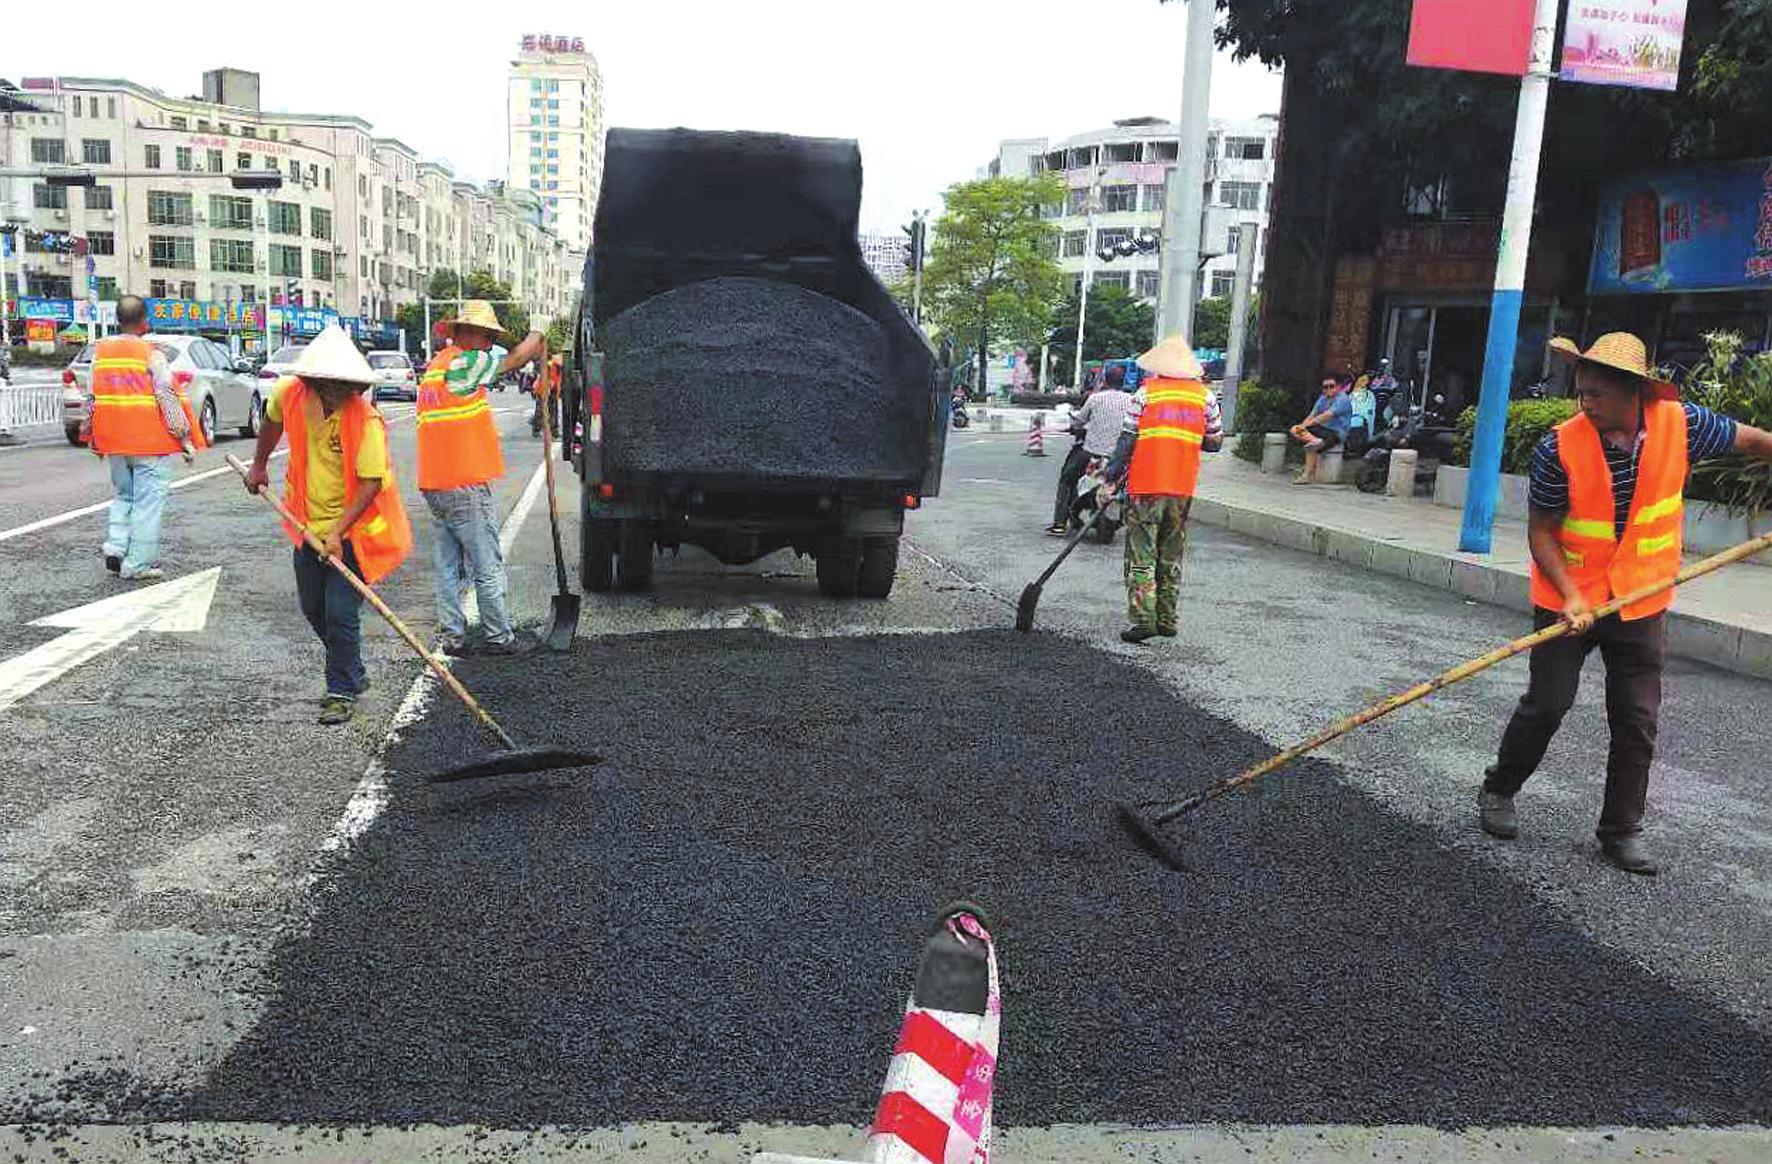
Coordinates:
x,y
201,315
1707,228
60,310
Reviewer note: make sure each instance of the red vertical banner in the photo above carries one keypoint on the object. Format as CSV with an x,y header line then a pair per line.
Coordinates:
x,y
1477,36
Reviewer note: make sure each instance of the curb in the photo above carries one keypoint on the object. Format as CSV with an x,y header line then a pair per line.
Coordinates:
x,y
1743,650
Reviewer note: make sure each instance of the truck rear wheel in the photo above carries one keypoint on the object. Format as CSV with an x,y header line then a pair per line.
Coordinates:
x,y
596,549
839,568
633,565
879,567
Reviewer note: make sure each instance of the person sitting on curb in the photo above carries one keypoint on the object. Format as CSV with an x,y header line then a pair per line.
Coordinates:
x,y
1607,512
1325,428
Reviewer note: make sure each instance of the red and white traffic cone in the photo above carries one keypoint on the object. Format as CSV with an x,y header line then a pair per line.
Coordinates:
x,y
935,1107
1036,442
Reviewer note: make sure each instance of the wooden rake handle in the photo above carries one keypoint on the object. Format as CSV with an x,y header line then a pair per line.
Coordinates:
x,y
436,664
1457,674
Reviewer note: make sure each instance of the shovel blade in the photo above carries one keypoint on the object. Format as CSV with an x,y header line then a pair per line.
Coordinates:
x,y
565,626
517,762
1148,835
1025,609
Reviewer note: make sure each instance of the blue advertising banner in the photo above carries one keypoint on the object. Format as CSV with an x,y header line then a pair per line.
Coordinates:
x,y
1708,228
197,314
60,310
302,320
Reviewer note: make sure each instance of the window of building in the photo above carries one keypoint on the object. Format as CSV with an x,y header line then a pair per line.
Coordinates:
x,y
274,135
326,173
1240,195
151,157
243,161
286,261
231,254
1075,243
271,164
203,125
225,128
171,251
285,218
387,237
363,186
1076,202
320,223
363,266
1123,152
1149,283
1105,239
1154,197
111,108
47,151
187,289
322,262
95,151
1164,151
1120,279
99,198
101,242
106,286
250,131
167,208
215,161
157,288
387,200
47,197
178,123
1224,284
1119,198
1248,149
181,157
230,212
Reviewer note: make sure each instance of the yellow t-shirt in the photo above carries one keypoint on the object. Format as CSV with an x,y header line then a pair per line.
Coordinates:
x,y
326,460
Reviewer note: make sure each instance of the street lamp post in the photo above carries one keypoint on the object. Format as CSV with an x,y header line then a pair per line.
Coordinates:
x,y
1083,291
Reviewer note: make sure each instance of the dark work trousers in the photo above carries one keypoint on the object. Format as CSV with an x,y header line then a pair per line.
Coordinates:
x,y
1632,652
1075,462
334,610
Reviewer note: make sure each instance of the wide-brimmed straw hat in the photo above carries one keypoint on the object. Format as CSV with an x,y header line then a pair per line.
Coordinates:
x,y
332,355
1621,352
1173,358
478,313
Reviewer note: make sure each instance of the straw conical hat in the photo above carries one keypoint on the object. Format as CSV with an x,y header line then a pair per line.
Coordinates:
x,y
1173,358
478,313
1622,352
332,355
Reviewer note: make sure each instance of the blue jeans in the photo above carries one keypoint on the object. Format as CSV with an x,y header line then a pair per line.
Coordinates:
x,y
134,534
334,610
466,550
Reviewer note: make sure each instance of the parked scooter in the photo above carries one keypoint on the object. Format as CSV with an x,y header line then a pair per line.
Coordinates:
x,y
1422,430
962,418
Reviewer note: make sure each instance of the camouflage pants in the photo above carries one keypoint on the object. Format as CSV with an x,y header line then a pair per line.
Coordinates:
x,y
1156,536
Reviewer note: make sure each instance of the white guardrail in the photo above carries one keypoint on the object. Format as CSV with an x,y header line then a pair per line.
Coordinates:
x,y
25,405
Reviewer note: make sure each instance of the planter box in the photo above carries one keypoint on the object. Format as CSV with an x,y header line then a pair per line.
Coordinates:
x,y
1450,484
1710,530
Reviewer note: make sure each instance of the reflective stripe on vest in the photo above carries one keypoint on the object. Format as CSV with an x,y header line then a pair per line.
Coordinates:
x,y
457,440
126,420
382,537
1601,565
1171,430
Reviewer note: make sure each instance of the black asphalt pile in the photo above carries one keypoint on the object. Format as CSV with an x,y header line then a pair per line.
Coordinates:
x,y
754,377
722,923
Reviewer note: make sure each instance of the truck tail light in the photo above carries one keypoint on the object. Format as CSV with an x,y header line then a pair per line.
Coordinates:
x,y
912,501
595,432
606,491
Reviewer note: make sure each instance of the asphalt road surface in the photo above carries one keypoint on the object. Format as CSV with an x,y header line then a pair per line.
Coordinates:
x,y
226,932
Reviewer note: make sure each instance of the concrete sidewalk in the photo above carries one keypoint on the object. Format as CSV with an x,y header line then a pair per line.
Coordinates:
x,y
1724,620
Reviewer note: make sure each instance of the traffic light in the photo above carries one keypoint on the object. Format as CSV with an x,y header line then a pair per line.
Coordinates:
x,y
913,247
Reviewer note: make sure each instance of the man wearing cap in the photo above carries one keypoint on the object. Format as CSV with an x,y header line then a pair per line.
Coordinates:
x,y
458,459
1607,509
1172,420
341,486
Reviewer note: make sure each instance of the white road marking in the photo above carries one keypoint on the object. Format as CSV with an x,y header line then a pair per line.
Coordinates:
x,y
180,606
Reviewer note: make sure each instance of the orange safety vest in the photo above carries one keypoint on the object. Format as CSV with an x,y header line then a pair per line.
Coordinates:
x,y
382,536
1171,431
126,420
1602,566
457,441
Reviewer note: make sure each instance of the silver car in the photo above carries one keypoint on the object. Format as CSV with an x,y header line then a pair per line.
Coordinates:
x,y
224,393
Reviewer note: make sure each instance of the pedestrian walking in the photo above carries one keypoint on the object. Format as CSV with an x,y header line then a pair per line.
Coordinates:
x,y
458,459
341,484
1097,427
1607,512
1173,418
137,421
1325,428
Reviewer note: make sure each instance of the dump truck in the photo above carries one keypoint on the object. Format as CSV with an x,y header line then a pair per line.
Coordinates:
x,y
740,381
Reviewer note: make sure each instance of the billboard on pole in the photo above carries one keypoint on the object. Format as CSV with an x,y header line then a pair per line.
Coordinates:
x,y
1478,36
1635,43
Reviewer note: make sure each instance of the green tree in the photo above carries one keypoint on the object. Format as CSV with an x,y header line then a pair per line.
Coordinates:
x,y
1119,324
992,274
559,334
451,285
1212,322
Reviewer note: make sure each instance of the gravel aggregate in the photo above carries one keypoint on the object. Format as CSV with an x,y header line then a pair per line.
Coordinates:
x,y
721,922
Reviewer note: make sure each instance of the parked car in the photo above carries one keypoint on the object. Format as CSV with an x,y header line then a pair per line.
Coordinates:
x,y
223,392
395,378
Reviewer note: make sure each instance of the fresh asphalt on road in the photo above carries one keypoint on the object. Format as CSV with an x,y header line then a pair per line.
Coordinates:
x,y
717,925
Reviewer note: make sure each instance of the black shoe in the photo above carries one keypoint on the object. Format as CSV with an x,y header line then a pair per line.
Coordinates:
x,y
1138,634
1057,531
113,563
1627,853
509,649
1168,632
1498,816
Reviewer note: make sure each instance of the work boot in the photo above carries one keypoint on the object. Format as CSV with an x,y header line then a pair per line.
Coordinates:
x,y
511,648
114,563
1168,632
1499,818
337,709
1627,853
1138,634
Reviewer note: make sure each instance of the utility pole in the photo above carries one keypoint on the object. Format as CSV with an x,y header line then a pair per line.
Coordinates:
x,y
1185,204
1247,235
1088,271
919,227
1510,286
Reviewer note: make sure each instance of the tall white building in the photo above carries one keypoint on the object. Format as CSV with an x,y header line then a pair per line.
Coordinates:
x,y
885,255
1129,166
555,108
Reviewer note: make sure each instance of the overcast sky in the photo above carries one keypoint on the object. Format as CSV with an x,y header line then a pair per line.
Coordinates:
x,y
985,70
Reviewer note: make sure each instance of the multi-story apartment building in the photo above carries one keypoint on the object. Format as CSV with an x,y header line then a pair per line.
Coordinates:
x,y
555,112
885,255
358,225
1126,170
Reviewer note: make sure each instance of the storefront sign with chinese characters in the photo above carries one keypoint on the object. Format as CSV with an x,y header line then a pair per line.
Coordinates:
x,y
1707,228
1635,43
1446,257
548,43
200,315
1350,315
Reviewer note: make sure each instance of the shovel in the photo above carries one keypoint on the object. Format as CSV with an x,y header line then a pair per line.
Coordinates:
x,y
565,603
514,760
1030,598
1146,822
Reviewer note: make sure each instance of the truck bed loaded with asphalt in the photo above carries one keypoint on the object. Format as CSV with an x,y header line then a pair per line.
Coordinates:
x,y
747,385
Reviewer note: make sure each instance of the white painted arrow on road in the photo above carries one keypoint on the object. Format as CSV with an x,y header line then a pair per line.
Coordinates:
x,y
180,606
